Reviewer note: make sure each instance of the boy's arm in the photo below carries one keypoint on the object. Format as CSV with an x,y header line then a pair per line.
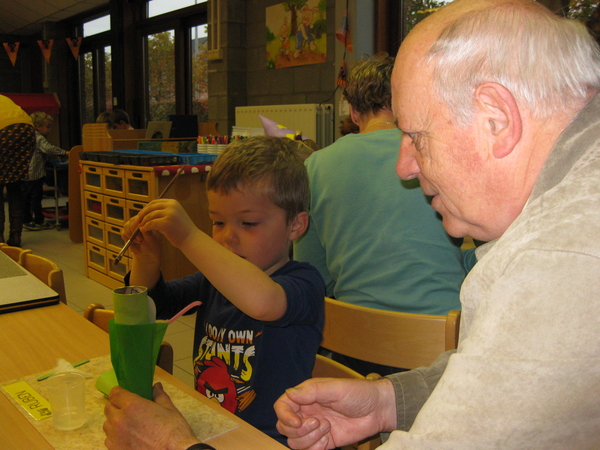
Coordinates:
x,y
46,147
245,285
146,249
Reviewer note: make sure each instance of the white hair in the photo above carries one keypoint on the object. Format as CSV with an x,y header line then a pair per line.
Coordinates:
x,y
547,62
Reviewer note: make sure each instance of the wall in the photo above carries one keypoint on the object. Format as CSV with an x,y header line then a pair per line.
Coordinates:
x,y
241,78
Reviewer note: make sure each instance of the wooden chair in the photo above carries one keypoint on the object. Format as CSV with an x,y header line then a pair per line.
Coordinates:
x,y
383,337
208,128
388,338
14,252
99,316
47,271
327,367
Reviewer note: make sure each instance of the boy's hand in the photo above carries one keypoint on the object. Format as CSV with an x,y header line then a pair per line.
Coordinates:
x,y
145,246
169,218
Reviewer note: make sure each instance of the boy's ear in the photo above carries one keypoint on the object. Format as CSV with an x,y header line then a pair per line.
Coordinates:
x,y
299,225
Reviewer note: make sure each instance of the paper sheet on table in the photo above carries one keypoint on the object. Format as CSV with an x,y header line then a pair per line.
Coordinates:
x,y
205,422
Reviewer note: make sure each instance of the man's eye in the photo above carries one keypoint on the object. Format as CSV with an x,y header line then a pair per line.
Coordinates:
x,y
416,139
249,224
217,224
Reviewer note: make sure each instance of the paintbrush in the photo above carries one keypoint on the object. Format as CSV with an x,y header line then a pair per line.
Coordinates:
x,y
137,230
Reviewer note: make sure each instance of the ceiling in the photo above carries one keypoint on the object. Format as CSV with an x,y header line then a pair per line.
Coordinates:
x,y
26,17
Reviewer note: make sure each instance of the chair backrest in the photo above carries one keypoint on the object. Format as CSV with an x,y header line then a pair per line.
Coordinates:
x,y
99,316
327,367
46,271
388,338
15,253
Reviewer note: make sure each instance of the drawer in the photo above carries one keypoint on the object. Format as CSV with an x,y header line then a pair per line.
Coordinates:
x,y
114,241
133,208
113,182
93,205
94,231
117,271
114,210
92,178
140,185
96,258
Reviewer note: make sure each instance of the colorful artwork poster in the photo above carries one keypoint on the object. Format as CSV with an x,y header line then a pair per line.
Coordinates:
x,y
296,33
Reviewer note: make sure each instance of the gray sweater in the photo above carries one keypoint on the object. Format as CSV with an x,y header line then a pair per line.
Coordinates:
x,y
526,374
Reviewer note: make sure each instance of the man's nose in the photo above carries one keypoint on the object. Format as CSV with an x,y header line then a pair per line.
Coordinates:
x,y
407,167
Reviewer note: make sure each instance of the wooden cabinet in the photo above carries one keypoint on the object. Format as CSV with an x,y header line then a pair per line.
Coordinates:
x,y
112,194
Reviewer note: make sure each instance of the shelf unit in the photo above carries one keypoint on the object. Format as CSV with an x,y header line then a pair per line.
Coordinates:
x,y
111,194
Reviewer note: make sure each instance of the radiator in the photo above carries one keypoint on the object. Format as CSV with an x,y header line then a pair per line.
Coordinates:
x,y
313,120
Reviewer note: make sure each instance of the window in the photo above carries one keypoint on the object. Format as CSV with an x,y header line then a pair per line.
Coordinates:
x,y
96,83
96,26
417,10
158,7
199,63
160,50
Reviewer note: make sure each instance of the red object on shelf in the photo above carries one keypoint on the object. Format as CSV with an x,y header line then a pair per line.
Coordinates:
x,y
31,103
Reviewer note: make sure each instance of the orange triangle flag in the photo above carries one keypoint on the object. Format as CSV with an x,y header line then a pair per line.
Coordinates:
x,y
12,49
74,45
46,46
343,35
342,74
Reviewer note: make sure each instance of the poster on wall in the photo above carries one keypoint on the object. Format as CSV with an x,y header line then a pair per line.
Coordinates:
x,y
296,33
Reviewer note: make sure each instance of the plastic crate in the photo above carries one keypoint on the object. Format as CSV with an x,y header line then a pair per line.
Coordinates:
x,y
196,158
148,158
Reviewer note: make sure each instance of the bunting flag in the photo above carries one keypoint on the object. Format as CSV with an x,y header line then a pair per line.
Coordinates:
x,y
46,46
12,49
343,34
342,75
75,45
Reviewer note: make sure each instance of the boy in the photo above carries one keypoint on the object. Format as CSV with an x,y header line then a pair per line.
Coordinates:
x,y
33,188
259,326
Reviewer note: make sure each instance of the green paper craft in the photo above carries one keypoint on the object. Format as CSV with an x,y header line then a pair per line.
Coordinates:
x,y
133,352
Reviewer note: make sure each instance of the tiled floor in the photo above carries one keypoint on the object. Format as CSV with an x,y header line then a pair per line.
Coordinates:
x,y
81,291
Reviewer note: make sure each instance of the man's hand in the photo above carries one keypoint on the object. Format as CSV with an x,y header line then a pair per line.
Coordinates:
x,y
325,413
134,423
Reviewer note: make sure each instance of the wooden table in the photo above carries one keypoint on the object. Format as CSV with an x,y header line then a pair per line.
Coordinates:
x,y
32,340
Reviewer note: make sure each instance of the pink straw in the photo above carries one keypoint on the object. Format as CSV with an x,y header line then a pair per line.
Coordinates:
x,y
183,311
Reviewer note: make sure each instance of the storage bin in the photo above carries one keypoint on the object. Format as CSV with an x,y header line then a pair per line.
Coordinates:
x,y
113,181
96,258
114,210
140,185
117,270
95,231
92,178
114,241
94,205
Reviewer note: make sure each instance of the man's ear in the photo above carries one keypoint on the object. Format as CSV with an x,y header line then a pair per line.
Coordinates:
x,y
500,117
299,225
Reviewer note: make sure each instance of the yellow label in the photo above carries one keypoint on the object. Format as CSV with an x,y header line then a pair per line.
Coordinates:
x,y
30,399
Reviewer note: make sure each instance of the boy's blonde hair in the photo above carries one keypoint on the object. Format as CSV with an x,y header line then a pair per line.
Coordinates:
x,y
269,162
40,119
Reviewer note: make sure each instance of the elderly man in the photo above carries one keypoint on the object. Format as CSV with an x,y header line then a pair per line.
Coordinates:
x,y
501,119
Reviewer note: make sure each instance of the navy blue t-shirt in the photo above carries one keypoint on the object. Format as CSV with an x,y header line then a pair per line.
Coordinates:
x,y
243,363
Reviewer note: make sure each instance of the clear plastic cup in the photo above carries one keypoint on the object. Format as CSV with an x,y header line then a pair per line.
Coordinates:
x,y
66,393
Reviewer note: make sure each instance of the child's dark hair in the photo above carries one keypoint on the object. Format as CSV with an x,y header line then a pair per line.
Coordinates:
x,y
270,162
